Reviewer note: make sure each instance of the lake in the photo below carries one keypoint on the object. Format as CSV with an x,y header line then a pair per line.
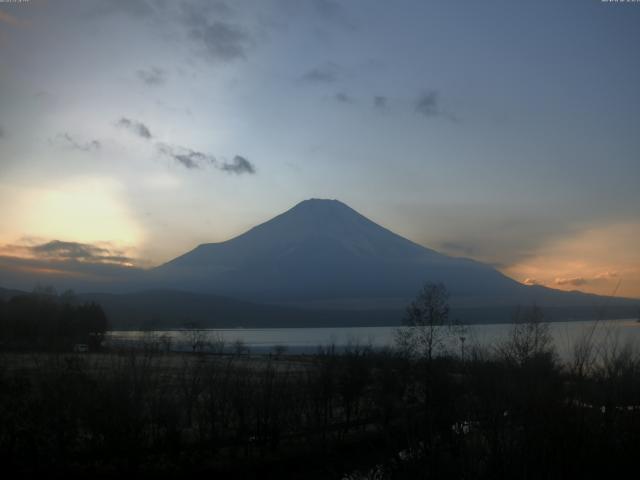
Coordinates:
x,y
307,340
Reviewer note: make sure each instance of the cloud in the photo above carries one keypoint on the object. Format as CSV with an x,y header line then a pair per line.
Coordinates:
x,y
135,127
222,41
204,23
186,157
152,77
380,102
193,159
2,132
575,281
343,97
325,74
582,280
428,104
219,40
334,12
532,281
593,259
66,140
606,275
62,251
239,165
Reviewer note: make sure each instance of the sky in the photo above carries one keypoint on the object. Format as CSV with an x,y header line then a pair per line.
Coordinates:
x,y
132,131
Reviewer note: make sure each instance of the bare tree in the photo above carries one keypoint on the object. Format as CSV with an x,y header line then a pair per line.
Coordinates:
x,y
427,317
165,342
279,350
195,337
530,337
217,343
239,347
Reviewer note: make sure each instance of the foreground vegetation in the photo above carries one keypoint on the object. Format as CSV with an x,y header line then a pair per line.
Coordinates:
x,y
415,411
513,412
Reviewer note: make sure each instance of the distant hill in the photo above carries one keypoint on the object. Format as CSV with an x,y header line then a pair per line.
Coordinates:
x,y
174,309
167,309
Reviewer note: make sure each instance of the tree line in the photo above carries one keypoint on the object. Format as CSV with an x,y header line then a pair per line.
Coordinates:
x,y
43,320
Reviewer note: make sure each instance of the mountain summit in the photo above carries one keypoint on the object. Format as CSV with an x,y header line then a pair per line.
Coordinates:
x,y
323,250
315,220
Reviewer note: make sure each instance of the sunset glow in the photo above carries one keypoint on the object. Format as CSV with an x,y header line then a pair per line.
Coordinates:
x,y
195,123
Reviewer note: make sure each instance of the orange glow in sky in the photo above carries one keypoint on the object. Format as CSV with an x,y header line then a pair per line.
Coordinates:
x,y
594,261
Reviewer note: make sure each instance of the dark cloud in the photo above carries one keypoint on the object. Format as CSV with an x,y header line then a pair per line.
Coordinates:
x,y
67,141
343,97
186,157
428,104
219,39
239,165
209,25
152,77
380,102
61,251
222,41
193,159
135,127
324,74
82,252
66,265
333,12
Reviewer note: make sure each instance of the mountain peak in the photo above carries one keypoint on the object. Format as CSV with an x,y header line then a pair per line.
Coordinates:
x,y
327,216
320,203
320,200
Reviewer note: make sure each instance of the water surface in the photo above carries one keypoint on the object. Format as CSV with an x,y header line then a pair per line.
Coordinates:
x,y
307,340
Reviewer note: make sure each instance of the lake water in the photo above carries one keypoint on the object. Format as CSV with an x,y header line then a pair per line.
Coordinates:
x,y
307,340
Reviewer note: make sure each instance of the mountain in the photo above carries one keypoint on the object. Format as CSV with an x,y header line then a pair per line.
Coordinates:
x,y
320,263
322,253
323,250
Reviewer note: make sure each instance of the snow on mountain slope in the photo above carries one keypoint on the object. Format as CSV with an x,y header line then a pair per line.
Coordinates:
x,y
323,249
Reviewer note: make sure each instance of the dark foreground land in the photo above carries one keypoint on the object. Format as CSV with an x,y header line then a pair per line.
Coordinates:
x,y
512,412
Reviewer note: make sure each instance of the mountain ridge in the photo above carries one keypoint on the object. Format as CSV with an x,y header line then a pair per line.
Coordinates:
x,y
322,251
